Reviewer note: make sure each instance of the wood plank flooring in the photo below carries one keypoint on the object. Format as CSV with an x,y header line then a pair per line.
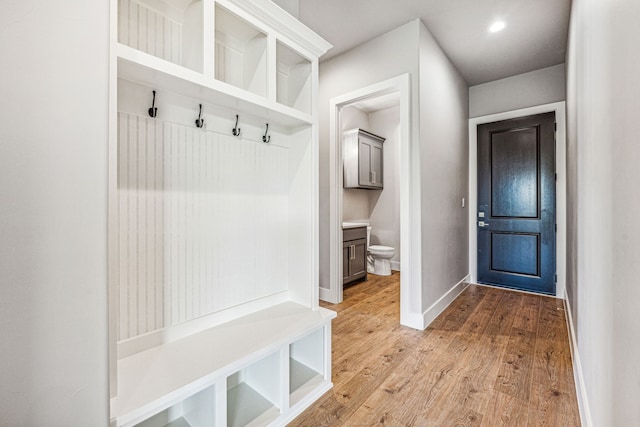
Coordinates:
x,y
493,358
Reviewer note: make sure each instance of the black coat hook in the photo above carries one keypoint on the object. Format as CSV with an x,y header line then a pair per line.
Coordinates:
x,y
153,111
266,138
236,130
200,120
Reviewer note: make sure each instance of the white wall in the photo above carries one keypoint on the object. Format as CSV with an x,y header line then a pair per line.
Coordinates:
x,y
355,205
538,87
438,155
444,151
387,56
384,216
53,214
603,64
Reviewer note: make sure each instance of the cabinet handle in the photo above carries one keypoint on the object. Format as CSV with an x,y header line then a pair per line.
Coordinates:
x,y
373,177
353,251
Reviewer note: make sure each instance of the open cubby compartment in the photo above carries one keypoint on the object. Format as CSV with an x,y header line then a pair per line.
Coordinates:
x,y
240,52
306,365
254,394
294,79
197,410
172,30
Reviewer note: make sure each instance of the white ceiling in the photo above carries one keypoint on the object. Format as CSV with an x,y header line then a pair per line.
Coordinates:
x,y
535,36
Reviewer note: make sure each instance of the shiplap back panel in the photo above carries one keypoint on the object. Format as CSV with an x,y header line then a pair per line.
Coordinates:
x,y
145,29
229,56
202,222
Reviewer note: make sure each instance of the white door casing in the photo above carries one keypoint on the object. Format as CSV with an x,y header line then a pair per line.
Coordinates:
x,y
399,84
561,185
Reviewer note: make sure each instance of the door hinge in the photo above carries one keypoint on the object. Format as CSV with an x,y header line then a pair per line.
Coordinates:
x,y
555,279
556,227
555,175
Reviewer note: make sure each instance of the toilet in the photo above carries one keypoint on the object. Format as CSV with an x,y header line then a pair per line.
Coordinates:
x,y
379,258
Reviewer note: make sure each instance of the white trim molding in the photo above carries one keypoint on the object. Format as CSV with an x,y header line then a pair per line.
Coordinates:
x,y
581,390
438,307
408,279
561,185
279,19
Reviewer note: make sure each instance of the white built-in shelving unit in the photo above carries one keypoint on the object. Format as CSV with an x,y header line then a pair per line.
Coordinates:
x,y
294,79
213,229
241,53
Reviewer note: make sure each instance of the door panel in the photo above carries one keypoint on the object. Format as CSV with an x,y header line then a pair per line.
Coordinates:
x,y
376,165
516,203
345,262
358,263
364,162
514,166
515,253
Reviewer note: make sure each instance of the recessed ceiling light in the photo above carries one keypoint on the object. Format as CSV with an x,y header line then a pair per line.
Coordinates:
x,y
497,26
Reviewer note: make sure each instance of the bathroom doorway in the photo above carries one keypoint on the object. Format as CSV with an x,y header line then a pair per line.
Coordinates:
x,y
382,109
371,187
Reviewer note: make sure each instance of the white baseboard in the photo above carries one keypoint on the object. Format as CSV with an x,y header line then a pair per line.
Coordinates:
x,y
395,265
581,391
439,306
504,288
326,295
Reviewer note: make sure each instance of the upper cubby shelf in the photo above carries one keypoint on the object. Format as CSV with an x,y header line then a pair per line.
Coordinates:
x,y
294,79
150,71
241,53
171,30
245,55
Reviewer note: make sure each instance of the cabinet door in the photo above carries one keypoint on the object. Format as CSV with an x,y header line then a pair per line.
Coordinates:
x,y
345,261
358,264
375,174
364,161
369,163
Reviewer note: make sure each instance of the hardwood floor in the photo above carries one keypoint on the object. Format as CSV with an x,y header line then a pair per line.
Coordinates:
x,y
493,358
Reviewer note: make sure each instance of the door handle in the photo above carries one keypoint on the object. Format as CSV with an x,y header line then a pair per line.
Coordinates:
x,y
483,224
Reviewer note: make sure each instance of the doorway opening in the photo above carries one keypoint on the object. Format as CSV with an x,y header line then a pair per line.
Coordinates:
x,y
388,98
560,154
517,203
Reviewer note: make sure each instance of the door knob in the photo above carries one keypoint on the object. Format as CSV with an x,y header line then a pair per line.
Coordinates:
x,y
483,224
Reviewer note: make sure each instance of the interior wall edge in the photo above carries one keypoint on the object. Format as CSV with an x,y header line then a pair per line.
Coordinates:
x,y
578,377
444,301
561,197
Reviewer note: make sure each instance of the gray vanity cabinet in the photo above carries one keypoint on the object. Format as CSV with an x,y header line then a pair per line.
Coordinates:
x,y
362,159
354,254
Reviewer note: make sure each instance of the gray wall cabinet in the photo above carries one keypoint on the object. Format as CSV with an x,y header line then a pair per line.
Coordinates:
x,y
362,159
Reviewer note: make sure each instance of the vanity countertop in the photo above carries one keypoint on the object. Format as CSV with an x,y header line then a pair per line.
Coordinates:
x,y
346,225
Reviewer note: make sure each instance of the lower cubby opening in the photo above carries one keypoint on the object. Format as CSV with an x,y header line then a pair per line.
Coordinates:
x,y
306,365
261,369
253,393
195,411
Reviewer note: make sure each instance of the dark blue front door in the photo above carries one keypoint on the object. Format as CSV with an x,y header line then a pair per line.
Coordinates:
x,y
517,203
